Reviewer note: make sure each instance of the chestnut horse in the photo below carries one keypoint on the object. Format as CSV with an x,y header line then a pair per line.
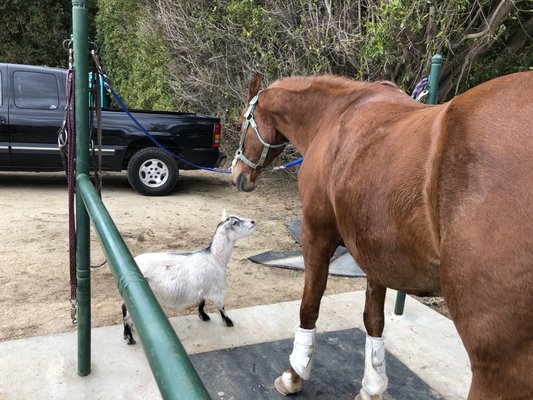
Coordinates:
x,y
429,199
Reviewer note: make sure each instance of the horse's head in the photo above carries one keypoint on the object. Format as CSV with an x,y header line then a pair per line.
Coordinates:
x,y
260,141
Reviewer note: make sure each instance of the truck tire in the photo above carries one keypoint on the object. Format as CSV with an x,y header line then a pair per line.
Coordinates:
x,y
152,172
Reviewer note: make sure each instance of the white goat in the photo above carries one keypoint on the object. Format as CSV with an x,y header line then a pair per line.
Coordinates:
x,y
182,279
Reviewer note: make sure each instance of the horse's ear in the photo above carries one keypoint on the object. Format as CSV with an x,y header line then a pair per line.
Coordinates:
x,y
255,85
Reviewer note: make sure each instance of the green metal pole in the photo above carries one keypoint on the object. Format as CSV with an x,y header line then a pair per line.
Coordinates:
x,y
81,62
400,303
171,366
434,76
433,87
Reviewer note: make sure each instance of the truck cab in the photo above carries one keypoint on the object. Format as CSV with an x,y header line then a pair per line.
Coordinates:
x,y
32,110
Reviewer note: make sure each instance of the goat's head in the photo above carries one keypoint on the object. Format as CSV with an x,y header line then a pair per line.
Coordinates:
x,y
235,227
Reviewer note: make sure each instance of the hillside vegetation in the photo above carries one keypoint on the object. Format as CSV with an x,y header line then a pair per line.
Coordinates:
x,y
199,55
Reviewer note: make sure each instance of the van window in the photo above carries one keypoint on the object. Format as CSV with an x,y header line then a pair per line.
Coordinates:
x,y
36,90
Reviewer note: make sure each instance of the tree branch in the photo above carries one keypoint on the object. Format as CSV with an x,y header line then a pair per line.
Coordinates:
x,y
504,7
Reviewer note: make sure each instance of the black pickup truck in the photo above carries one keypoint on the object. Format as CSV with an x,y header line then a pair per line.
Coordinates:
x,y
32,110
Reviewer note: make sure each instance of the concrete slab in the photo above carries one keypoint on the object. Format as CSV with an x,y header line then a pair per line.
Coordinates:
x,y
45,367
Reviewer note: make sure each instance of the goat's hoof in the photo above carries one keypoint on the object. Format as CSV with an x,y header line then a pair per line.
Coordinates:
x,y
229,322
204,317
130,340
286,385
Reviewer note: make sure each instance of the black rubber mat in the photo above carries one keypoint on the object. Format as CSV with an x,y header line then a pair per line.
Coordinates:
x,y
248,372
341,264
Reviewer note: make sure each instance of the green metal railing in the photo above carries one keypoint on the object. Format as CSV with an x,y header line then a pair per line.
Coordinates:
x,y
173,371
433,87
170,364
434,76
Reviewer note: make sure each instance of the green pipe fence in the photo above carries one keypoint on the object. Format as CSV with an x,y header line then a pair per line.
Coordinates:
x,y
433,87
172,368
83,274
173,371
434,76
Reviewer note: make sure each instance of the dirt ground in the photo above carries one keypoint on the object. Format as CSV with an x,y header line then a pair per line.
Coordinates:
x,y
34,266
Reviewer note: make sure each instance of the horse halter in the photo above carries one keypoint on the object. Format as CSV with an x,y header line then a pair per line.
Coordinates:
x,y
249,121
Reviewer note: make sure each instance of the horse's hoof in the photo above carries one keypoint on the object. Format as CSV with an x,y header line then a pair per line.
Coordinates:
x,y
363,395
286,385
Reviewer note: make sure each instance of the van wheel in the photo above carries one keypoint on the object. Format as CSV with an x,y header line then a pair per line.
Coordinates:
x,y
153,172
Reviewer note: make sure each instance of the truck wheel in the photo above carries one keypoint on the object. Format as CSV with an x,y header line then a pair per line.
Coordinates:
x,y
152,172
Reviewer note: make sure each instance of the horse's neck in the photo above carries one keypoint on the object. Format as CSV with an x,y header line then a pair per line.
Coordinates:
x,y
298,116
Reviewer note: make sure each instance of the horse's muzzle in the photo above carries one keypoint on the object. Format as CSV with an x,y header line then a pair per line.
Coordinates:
x,y
242,184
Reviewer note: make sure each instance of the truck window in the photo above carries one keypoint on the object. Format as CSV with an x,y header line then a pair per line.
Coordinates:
x,y
1,93
36,90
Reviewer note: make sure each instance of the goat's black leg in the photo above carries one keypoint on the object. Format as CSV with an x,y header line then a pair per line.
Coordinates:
x,y
226,319
201,313
220,305
128,326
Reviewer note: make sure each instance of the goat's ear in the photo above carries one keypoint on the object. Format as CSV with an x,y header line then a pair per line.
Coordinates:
x,y
255,85
224,215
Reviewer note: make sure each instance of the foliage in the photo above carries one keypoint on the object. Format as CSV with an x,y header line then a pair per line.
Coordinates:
x,y
32,32
216,45
134,54
198,55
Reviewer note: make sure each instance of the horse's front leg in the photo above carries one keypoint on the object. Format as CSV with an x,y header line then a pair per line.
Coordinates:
x,y
375,379
318,246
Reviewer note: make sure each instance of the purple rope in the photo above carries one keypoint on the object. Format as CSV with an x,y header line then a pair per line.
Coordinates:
x,y
420,86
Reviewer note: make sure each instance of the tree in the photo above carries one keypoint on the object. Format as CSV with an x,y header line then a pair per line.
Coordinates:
x,y
32,32
201,53
134,54
216,44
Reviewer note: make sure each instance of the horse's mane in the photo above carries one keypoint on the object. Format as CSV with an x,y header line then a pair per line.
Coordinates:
x,y
333,82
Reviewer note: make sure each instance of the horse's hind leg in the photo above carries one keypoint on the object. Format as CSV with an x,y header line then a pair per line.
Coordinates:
x,y
489,296
318,246
375,379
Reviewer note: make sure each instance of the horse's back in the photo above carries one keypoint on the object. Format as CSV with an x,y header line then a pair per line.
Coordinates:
x,y
485,202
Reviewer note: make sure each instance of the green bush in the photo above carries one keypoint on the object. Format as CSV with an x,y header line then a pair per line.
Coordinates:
x,y
134,54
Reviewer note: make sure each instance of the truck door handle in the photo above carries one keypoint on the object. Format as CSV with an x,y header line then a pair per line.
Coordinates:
x,y
3,120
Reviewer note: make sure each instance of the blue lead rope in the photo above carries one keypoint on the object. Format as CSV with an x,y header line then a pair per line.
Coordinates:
x,y
163,148
289,164
416,92
153,139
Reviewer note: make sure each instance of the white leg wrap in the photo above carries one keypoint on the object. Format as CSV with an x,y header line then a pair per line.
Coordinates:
x,y
375,380
303,349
